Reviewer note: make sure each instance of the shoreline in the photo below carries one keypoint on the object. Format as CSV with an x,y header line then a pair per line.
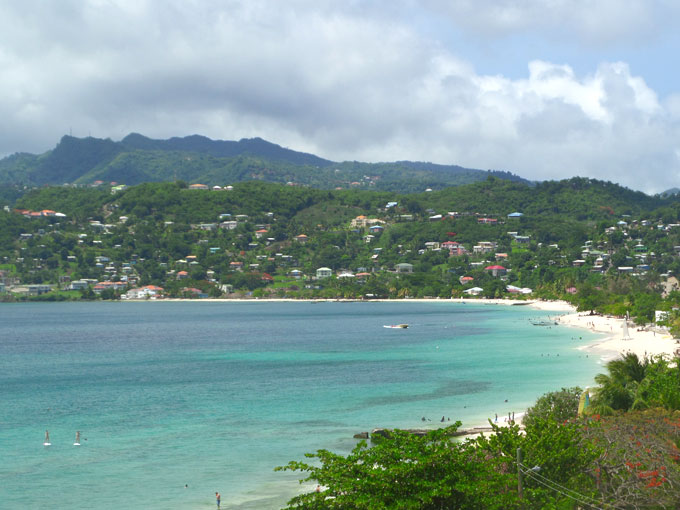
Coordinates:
x,y
643,341
543,305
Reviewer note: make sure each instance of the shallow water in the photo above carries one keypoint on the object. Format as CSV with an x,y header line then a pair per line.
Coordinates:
x,y
215,395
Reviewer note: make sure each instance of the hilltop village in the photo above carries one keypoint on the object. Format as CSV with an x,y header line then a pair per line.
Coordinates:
x,y
258,240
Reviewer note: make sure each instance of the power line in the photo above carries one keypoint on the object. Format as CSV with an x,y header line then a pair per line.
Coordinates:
x,y
535,474
565,491
583,502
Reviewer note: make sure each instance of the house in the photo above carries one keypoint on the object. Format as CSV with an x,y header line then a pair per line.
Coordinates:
x,y
474,291
515,215
496,270
195,293
455,248
266,277
198,186
376,229
403,267
101,287
260,233
368,238
518,290
660,316
229,225
484,247
363,222
37,289
182,275
359,222
226,288
296,273
236,265
324,272
464,280
432,245
487,221
302,238
77,285
146,292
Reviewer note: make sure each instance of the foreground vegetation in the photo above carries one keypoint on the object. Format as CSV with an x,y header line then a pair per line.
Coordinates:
x,y
626,459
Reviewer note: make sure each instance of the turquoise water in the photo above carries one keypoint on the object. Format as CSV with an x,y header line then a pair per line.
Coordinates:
x,y
215,395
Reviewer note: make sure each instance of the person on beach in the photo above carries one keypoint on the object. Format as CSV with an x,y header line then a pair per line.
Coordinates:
x,y
218,498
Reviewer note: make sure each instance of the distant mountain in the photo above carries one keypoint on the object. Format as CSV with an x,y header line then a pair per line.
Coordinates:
x,y
256,147
670,192
137,159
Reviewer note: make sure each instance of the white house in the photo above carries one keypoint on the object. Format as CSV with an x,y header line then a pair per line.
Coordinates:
x,y
324,272
474,291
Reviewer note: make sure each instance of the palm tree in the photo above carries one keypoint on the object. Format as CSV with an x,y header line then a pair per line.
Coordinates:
x,y
619,389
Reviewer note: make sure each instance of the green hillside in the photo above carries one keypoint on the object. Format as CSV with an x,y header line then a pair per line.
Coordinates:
x,y
196,159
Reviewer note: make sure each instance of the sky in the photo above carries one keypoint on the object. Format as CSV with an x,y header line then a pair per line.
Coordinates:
x,y
546,89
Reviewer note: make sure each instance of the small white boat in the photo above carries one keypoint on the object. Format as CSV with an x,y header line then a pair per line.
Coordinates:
x,y
396,326
77,443
47,439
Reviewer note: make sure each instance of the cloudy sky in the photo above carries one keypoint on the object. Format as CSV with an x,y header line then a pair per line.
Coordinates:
x,y
547,89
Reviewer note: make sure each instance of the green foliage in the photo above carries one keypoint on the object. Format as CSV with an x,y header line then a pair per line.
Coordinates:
x,y
79,204
637,465
406,472
633,383
559,405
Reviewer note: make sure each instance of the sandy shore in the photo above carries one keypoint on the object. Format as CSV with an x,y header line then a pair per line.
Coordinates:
x,y
649,341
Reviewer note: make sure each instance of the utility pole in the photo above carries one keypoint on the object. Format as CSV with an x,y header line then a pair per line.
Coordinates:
x,y
520,485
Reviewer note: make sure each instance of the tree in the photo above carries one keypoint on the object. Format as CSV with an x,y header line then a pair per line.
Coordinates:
x,y
560,405
407,472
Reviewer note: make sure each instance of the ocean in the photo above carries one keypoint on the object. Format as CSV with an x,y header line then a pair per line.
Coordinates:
x,y
178,400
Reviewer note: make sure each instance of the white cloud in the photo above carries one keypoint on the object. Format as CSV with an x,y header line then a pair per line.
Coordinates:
x,y
329,78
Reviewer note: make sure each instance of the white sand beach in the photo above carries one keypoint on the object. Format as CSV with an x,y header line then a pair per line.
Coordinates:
x,y
648,341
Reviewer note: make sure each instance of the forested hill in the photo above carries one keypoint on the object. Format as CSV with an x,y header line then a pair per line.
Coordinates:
x,y
196,159
577,198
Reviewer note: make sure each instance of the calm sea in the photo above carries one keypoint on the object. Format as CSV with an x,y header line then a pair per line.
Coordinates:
x,y
215,395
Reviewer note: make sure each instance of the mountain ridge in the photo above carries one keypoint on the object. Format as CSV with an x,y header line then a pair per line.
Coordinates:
x,y
136,159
